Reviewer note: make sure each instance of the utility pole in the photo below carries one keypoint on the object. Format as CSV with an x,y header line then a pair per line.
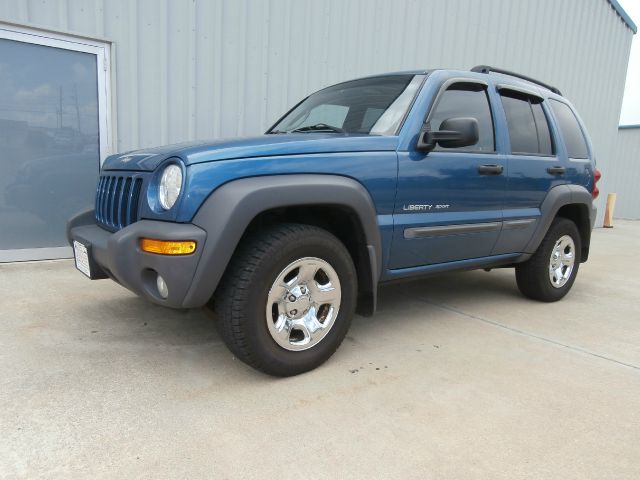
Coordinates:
x,y
75,99
60,108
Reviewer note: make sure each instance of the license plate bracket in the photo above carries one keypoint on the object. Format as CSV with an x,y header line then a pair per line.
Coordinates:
x,y
84,260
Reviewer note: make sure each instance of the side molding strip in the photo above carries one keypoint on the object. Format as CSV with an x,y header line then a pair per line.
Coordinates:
x,y
440,230
517,224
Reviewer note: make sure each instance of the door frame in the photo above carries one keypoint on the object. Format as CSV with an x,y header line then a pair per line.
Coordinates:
x,y
427,222
102,49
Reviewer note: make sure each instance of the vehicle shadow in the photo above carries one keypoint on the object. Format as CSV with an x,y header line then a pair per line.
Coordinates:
x,y
133,320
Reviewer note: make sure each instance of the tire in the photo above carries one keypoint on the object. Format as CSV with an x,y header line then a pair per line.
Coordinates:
x,y
245,302
536,278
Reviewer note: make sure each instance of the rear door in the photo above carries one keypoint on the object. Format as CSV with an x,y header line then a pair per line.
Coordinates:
x,y
449,201
534,166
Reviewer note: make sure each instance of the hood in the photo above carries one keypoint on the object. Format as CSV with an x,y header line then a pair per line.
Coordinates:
x,y
249,147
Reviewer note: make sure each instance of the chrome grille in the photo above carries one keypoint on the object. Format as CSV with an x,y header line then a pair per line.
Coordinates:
x,y
117,198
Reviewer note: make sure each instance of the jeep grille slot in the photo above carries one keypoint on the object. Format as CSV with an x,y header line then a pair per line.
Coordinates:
x,y
117,200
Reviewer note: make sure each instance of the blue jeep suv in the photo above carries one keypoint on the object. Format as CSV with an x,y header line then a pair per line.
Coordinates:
x,y
286,235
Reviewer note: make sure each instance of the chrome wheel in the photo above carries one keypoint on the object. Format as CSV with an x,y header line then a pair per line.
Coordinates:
x,y
561,263
303,303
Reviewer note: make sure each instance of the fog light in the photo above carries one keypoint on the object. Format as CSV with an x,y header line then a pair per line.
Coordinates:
x,y
166,247
163,290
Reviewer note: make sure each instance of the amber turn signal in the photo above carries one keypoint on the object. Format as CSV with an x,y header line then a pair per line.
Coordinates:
x,y
167,247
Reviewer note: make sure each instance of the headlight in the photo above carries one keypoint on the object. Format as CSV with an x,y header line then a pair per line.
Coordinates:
x,y
170,185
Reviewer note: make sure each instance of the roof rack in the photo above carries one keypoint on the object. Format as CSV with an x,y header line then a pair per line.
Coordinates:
x,y
488,69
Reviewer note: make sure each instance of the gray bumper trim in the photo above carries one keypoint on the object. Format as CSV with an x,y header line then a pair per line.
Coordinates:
x,y
218,227
120,257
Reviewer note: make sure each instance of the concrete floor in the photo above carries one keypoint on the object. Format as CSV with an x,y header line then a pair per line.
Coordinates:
x,y
456,377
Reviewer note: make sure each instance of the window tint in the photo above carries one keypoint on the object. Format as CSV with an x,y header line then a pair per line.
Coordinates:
x,y
466,100
571,132
371,116
542,124
527,123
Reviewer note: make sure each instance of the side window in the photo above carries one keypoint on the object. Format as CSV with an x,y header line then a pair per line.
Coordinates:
x,y
571,131
527,124
466,100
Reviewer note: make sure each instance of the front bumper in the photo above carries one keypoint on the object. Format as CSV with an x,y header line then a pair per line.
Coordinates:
x,y
118,255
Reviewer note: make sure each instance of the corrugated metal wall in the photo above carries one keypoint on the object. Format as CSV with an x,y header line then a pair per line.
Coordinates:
x,y
189,69
625,174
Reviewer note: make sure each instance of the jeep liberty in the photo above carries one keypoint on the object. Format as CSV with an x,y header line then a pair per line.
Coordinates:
x,y
286,235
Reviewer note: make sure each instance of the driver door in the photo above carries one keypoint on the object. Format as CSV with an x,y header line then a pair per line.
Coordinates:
x,y
449,201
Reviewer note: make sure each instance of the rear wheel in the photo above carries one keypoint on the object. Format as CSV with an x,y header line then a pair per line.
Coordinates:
x,y
549,274
287,299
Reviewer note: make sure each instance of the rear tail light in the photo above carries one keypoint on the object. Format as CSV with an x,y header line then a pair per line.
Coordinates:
x,y
596,177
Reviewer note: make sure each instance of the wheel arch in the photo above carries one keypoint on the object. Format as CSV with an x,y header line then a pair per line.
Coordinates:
x,y
578,213
341,221
339,204
573,202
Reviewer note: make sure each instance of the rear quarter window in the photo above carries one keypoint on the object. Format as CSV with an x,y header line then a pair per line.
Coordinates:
x,y
570,128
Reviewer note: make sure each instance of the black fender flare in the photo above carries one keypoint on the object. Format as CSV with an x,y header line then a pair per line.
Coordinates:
x,y
228,211
557,198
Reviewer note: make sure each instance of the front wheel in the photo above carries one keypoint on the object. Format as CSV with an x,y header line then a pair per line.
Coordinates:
x,y
287,299
549,274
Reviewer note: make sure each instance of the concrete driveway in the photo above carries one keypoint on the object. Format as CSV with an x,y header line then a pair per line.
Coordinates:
x,y
456,377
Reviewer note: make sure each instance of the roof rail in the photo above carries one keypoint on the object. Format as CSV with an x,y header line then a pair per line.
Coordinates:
x,y
488,69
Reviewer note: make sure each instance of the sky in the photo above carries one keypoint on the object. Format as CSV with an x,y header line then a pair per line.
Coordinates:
x,y
631,103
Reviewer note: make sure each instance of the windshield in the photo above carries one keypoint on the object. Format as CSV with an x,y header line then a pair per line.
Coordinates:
x,y
373,106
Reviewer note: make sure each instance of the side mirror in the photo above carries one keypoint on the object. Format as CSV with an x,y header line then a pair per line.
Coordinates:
x,y
453,133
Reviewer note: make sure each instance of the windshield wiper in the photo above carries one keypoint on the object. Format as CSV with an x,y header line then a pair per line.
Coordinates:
x,y
276,132
318,127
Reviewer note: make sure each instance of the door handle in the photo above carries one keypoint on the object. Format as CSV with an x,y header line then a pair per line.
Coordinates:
x,y
490,169
556,170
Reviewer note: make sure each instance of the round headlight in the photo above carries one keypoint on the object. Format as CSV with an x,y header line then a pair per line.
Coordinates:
x,y
170,185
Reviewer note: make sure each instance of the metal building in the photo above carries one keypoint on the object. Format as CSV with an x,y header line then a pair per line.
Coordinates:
x,y
80,79
625,173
